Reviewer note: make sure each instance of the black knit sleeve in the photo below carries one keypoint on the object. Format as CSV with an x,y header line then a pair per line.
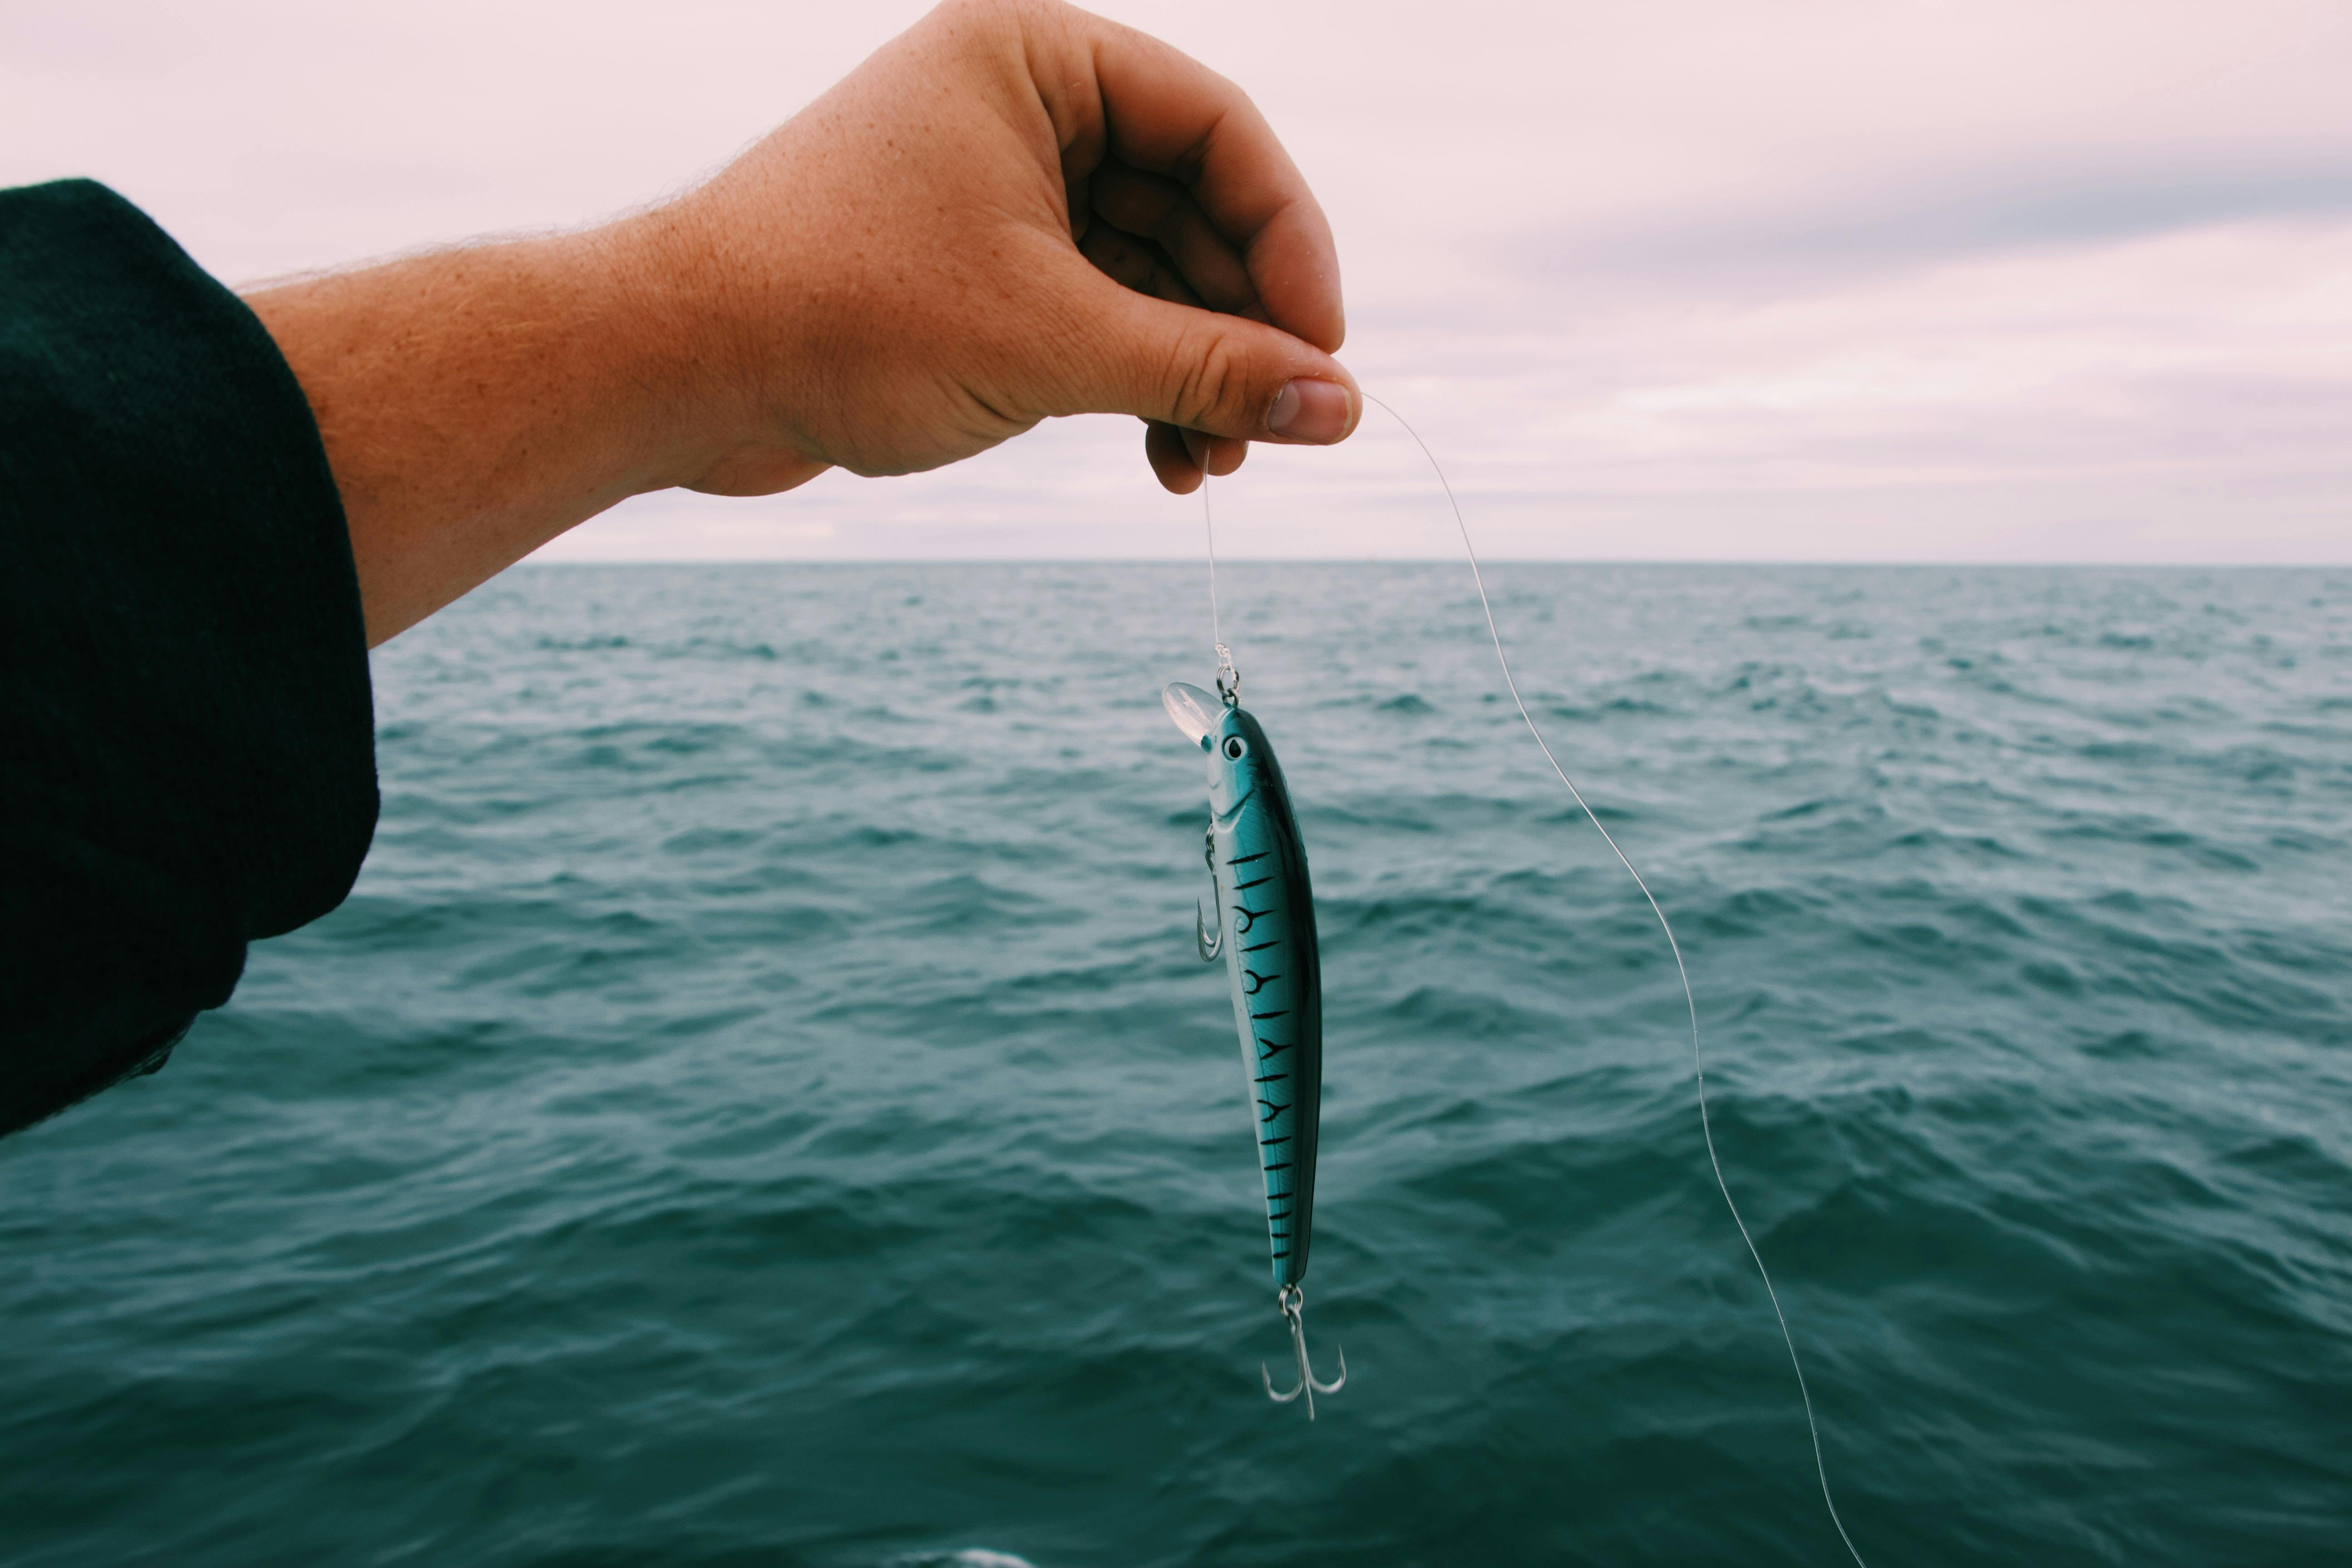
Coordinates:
x,y
186,742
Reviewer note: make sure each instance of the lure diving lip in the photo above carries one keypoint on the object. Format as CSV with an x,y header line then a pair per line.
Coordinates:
x,y
1265,930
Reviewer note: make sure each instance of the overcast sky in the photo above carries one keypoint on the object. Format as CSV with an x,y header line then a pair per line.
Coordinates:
x,y
1660,280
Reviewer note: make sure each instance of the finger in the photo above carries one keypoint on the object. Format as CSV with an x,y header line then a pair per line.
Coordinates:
x,y
1158,210
1181,456
1164,449
1216,455
1196,446
1166,113
1126,352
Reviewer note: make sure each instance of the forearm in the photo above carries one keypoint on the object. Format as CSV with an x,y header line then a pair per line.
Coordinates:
x,y
475,403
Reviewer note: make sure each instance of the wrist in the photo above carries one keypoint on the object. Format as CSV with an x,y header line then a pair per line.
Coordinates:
x,y
637,362
708,373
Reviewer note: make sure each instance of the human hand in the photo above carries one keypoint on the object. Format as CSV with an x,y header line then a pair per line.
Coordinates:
x,y
1015,210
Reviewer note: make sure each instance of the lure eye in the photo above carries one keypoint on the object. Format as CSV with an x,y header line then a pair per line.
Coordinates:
x,y
1235,748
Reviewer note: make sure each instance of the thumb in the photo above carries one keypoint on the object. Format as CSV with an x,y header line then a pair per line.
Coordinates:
x,y
1203,370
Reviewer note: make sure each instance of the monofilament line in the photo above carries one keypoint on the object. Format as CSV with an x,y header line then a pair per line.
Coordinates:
x,y
1229,680
1698,1065
1209,531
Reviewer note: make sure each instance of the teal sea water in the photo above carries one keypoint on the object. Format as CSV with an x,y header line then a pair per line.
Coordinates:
x,y
760,1105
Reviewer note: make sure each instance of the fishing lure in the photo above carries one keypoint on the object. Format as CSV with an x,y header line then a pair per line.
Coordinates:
x,y
1265,930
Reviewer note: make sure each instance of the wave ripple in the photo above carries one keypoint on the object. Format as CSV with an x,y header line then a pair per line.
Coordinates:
x,y
760,1104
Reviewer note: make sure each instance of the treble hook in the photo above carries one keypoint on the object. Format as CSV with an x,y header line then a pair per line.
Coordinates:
x,y
1293,1302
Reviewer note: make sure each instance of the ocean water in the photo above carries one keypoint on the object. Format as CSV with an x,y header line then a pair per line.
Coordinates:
x,y
760,1105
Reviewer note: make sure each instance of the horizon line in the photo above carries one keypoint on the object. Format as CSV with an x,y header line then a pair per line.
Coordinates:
x,y
1222,559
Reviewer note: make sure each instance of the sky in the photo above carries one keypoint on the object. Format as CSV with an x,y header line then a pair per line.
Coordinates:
x,y
1657,279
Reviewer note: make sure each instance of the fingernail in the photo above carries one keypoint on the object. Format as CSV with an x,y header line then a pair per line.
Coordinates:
x,y
1307,410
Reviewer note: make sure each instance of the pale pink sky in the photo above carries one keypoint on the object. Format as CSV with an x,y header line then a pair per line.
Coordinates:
x,y
1670,279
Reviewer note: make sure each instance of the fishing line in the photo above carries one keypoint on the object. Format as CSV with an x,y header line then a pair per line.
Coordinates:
x,y
1209,531
1229,679
1698,1065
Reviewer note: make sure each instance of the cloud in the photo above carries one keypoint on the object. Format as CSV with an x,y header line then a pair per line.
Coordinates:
x,y
1929,218
1688,279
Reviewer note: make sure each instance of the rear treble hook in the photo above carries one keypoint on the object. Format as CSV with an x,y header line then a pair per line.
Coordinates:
x,y
1293,1302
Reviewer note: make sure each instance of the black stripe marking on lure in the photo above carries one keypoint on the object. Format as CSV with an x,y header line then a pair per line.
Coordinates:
x,y
1261,947
1277,1013
1245,887
1250,915
1266,1049
1245,859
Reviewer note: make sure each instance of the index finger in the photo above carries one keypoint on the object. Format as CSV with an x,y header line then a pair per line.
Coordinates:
x,y
1167,113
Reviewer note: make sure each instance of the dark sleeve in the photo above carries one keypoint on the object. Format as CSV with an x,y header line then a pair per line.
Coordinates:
x,y
187,753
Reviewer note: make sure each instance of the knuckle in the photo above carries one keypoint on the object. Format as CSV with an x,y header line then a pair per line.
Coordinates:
x,y
1210,381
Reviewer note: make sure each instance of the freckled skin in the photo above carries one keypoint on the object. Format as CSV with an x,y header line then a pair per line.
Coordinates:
x,y
1267,910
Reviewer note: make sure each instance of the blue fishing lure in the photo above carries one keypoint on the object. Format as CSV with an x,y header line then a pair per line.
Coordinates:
x,y
1265,930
